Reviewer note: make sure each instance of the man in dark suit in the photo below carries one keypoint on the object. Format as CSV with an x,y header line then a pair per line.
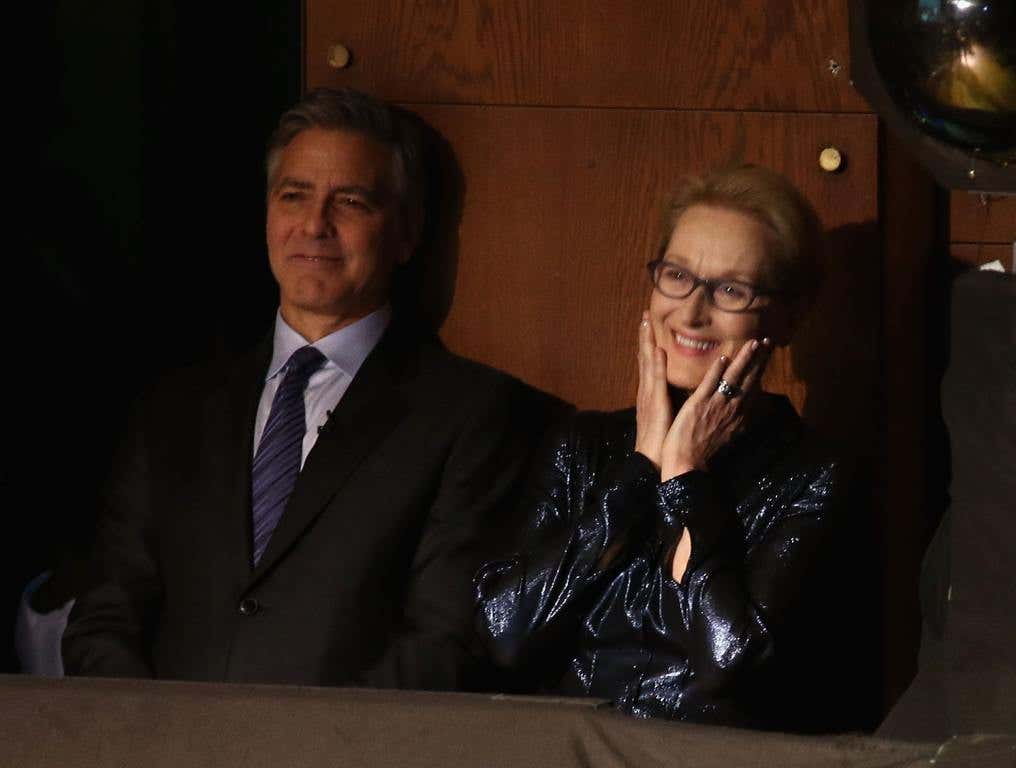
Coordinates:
x,y
309,512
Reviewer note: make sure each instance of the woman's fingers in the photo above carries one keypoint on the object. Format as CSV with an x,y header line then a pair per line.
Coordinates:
x,y
652,363
644,339
758,365
646,342
744,370
712,378
642,358
660,378
653,411
714,414
742,361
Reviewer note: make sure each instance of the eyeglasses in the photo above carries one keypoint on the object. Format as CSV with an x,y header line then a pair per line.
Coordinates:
x,y
676,282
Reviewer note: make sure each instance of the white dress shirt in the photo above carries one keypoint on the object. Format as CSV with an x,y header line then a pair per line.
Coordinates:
x,y
345,350
37,635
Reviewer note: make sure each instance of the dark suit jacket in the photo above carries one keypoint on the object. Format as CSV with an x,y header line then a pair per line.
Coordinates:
x,y
367,578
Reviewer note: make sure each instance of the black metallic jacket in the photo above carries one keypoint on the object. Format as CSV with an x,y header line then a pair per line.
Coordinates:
x,y
591,587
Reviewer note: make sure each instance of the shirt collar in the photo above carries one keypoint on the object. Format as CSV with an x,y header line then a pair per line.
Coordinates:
x,y
346,348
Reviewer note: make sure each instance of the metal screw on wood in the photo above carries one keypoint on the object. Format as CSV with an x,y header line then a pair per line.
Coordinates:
x,y
830,160
834,67
338,56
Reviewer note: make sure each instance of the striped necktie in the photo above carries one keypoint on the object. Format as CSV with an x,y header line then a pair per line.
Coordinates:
x,y
277,461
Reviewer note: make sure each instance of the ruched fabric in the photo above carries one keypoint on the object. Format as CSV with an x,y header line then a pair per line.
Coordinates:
x,y
589,600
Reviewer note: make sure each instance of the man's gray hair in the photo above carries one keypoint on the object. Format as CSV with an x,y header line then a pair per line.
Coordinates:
x,y
345,109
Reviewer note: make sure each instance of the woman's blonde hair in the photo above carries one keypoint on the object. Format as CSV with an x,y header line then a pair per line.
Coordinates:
x,y
767,196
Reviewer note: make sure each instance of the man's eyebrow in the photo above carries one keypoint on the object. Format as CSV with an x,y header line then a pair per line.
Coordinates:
x,y
374,195
289,181
358,190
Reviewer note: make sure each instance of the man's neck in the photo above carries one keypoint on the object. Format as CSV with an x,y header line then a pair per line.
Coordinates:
x,y
314,327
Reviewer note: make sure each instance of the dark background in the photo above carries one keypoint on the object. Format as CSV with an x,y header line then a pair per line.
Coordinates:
x,y
140,137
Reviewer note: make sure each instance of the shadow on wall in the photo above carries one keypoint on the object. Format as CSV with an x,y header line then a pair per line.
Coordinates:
x,y
425,287
837,353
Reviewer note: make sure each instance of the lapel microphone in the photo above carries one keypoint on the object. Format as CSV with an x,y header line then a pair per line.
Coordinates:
x,y
328,420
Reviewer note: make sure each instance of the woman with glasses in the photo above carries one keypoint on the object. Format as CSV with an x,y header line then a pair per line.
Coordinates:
x,y
669,544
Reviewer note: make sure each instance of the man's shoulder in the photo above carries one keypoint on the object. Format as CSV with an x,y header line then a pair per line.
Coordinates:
x,y
223,373
427,359
434,376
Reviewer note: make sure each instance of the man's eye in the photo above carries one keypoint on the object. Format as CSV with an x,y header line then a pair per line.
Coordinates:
x,y
673,274
352,202
289,197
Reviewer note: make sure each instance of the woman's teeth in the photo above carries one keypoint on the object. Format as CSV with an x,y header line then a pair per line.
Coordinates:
x,y
701,346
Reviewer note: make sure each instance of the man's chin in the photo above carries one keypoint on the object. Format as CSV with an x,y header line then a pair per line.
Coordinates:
x,y
312,306
327,307
316,293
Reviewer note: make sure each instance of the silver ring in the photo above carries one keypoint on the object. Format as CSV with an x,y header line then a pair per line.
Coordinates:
x,y
729,391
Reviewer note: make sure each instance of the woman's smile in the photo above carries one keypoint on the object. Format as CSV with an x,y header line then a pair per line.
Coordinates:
x,y
693,347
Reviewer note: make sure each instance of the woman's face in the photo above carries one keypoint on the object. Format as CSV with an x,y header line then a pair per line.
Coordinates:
x,y
714,243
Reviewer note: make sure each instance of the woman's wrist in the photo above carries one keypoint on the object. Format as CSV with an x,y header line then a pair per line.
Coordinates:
x,y
654,460
672,470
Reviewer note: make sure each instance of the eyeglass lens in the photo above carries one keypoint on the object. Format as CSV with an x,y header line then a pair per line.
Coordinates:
x,y
678,284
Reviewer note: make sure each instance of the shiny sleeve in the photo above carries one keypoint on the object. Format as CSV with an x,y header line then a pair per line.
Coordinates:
x,y
574,539
733,601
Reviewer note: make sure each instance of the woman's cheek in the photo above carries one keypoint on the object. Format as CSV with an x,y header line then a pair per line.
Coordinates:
x,y
660,334
730,347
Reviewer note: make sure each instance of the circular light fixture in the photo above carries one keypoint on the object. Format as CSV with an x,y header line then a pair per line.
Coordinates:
x,y
942,74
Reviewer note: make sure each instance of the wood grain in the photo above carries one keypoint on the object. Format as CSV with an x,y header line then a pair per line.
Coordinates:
x,y
975,218
559,218
571,120
742,54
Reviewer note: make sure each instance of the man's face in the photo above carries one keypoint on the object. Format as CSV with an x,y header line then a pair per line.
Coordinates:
x,y
333,228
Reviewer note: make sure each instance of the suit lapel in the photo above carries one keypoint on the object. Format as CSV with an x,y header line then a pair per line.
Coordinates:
x,y
231,410
368,411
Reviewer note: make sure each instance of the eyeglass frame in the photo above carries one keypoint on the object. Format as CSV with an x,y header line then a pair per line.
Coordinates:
x,y
710,284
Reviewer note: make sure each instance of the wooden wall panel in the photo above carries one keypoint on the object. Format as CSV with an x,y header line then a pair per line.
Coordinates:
x,y
572,119
741,54
975,218
559,218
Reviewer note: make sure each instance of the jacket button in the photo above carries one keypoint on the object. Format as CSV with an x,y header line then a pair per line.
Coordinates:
x,y
249,606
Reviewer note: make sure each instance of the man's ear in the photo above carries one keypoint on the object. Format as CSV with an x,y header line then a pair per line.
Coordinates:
x,y
412,229
405,252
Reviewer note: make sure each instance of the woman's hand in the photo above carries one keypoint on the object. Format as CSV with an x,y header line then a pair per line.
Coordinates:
x,y
709,419
654,413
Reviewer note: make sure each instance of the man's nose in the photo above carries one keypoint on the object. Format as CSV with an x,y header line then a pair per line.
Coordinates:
x,y
317,222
